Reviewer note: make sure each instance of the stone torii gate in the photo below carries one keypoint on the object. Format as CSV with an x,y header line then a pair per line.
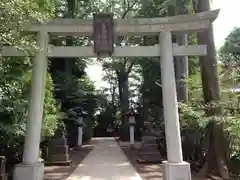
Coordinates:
x,y
175,168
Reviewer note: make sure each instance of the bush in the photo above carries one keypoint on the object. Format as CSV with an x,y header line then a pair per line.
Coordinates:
x,y
193,130
13,114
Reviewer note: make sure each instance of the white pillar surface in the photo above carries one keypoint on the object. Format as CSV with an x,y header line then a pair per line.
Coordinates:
x,y
36,102
171,117
131,134
80,136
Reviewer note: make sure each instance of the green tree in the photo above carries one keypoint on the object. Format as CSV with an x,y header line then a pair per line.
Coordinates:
x,y
217,150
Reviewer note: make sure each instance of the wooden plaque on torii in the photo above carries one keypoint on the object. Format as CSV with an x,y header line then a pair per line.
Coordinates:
x,y
103,34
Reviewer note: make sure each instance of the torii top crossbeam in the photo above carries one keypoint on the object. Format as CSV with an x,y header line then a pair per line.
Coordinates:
x,y
131,26
137,26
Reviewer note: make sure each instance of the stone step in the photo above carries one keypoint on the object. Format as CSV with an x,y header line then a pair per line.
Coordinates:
x,y
152,140
145,153
58,163
148,142
58,157
145,144
150,158
59,141
146,148
58,149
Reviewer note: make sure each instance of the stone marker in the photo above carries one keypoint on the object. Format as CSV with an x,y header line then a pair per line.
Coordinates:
x,y
58,151
149,152
80,132
3,175
131,115
80,125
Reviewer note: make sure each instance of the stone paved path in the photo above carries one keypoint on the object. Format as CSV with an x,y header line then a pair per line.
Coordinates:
x,y
105,162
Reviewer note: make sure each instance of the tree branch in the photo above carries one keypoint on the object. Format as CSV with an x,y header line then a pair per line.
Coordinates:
x,y
129,7
195,5
117,73
130,67
124,62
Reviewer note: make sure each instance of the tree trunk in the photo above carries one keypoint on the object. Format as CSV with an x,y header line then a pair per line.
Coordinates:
x,y
181,63
123,87
145,102
217,150
69,61
113,95
181,71
124,103
125,92
69,39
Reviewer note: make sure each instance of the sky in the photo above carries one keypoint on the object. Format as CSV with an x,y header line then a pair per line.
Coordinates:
x,y
223,25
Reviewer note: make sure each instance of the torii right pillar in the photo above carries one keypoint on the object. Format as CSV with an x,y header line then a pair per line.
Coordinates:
x,y
174,168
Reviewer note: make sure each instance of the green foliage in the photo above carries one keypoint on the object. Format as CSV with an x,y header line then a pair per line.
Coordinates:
x,y
77,90
232,127
193,126
15,75
192,119
14,105
229,53
51,111
195,89
16,15
232,42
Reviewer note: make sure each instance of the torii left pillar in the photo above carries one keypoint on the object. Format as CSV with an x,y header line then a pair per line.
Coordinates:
x,y
31,168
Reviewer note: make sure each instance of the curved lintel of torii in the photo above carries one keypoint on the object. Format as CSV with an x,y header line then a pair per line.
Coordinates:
x,y
133,26
137,26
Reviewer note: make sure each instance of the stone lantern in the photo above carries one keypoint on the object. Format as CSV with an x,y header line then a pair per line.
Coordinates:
x,y
132,122
77,115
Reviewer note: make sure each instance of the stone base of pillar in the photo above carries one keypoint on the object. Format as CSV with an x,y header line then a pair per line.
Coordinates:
x,y
3,177
28,172
173,171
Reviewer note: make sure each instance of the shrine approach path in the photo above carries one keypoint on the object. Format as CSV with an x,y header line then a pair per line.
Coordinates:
x,y
106,161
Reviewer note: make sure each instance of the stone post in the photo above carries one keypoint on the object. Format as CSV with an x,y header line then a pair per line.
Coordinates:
x,y
80,131
3,175
174,163
30,168
131,117
132,127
